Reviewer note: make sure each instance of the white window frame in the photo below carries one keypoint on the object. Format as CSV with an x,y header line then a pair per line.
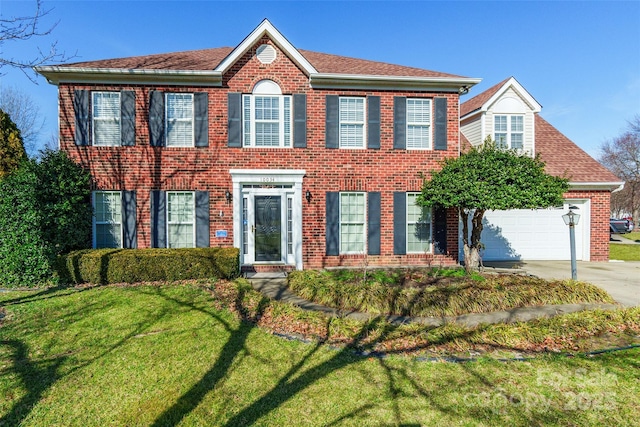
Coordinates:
x,y
344,223
509,131
419,124
111,223
116,140
358,123
169,122
411,204
178,222
284,120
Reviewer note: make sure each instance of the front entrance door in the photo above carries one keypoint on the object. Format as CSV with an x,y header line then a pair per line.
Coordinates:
x,y
268,228
267,212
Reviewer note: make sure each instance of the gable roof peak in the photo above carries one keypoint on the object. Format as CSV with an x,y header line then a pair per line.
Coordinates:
x,y
481,102
266,28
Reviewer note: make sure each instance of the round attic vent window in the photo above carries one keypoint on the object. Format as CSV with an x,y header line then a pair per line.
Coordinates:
x,y
266,54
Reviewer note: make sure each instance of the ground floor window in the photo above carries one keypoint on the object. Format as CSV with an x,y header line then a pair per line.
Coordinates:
x,y
180,219
418,226
352,223
107,223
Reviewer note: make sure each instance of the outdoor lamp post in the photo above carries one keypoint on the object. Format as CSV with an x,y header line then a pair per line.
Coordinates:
x,y
571,219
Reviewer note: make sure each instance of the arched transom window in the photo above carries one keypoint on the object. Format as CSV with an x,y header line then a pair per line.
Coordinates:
x,y
266,116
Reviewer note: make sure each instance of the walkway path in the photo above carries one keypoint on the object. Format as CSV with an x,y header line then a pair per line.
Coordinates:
x,y
274,287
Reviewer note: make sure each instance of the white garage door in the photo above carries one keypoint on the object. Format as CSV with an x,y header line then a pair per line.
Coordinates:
x,y
533,234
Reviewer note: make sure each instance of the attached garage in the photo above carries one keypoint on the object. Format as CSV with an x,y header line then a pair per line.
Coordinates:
x,y
539,234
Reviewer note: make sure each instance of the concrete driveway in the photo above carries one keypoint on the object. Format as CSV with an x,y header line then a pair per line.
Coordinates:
x,y
620,279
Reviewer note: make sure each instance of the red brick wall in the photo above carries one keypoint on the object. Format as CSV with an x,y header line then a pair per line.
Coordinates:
x,y
144,168
600,210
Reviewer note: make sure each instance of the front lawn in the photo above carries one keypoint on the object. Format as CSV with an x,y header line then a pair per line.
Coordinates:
x,y
624,252
181,355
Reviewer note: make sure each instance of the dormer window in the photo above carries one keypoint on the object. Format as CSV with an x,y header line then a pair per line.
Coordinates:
x,y
508,131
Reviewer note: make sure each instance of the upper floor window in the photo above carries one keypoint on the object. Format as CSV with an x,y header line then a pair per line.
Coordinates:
x,y
106,118
267,119
179,120
352,122
508,131
418,124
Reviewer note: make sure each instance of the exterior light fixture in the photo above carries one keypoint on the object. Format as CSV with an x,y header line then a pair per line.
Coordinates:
x,y
571,219
307,195
227,196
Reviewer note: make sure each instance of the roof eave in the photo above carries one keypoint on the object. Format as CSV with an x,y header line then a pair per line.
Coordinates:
x,y
374,82
611,186
56,75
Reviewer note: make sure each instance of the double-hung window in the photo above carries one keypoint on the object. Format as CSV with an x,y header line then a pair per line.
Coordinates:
x,y
266,116
106,118
267,120
508,131
352,122
179,119
180,219
107,222
418,124
352,223
418,226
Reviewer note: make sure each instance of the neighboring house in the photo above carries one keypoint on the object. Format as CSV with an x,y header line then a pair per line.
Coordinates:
x,y
509,114
300,159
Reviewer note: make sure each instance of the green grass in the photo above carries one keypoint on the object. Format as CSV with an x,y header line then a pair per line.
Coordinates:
x,y
633,236
448,292
624,252
181,355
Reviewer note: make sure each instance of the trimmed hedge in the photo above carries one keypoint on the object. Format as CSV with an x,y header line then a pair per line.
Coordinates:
x,y
105,266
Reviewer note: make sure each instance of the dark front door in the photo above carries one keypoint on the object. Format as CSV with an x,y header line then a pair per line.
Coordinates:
x,y
268,231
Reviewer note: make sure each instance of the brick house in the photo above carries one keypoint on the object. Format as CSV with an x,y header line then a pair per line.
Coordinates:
x,y
299,159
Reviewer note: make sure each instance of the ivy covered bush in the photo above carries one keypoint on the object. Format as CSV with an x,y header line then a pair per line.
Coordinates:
x,y
45,211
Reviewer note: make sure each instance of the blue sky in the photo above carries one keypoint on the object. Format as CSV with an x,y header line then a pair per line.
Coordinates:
x,y
580,60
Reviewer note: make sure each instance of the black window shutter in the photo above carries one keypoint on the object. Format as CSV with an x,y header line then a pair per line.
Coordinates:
x,y
128,117
439,230
373,125
399,122
332,122
158,219
373,223
129,232
201,119
441,123
81,112
333,223
202,219
399,223
156,118
234,101
300,120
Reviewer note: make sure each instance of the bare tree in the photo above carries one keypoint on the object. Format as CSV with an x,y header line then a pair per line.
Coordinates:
x,y
25,114
22,28
621,155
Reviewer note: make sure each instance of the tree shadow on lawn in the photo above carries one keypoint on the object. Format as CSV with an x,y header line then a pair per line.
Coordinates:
x,y
305,374
399,383
36,376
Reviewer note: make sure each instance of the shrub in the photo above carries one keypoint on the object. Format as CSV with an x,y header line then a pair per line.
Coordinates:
x,y
105,266
24,256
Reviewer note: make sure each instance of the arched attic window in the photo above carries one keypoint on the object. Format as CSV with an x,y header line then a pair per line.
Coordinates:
x,y
267,116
